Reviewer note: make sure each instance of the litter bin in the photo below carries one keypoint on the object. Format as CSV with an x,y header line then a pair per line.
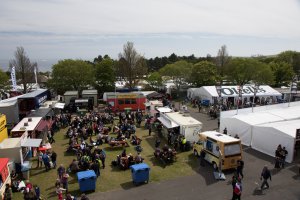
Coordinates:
x,y
87,180
140,173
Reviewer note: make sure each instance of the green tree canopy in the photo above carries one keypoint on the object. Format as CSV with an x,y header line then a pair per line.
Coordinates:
x,y
154,80
283,73
4,82
245,70
179,72
203,73
105,75
290,57
71,75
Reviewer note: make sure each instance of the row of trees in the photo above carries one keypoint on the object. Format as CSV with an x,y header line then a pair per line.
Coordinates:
x,y
132,67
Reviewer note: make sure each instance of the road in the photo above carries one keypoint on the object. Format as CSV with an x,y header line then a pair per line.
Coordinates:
x,y
285,183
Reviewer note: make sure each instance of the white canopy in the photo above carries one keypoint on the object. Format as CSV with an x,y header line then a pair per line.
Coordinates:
x,y
31,142
167,123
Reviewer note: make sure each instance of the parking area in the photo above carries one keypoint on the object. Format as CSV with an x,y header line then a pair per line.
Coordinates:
x,y
285,182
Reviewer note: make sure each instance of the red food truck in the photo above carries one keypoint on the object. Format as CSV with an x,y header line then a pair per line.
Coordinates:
x,y
125,101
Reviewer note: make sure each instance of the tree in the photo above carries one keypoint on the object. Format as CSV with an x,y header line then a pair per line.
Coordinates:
x,y
204,73
178,72
131,66
172,58
245,70
154,80
105,75
4,83
290,57
283,73
222,60
71,75
23,67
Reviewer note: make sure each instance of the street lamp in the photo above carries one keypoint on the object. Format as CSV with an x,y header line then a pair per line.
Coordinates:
x,y
240,90
293,88
256,86
219,88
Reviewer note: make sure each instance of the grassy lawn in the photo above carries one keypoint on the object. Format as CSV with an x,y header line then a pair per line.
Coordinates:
x,y
111,177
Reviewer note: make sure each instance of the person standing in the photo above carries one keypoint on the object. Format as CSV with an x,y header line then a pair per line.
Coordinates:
x,y
284,153
64,181
53,159
96,167
237,191
202,158
157,142
265,174
150,130
40,159
225,131
60,171
102,157
240,167
7,192
46,161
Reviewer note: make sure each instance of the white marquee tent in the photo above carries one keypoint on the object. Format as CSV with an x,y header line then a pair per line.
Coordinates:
x,y
265,128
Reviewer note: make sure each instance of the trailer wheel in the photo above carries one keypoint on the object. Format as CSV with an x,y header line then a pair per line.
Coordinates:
x,y
215,166
196,153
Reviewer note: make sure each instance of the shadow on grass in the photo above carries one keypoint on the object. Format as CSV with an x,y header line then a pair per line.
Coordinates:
x,y
127,185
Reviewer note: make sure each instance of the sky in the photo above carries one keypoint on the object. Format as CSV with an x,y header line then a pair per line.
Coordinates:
x,y
51,30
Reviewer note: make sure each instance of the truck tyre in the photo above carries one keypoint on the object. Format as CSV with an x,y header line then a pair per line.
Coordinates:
x,y
215,166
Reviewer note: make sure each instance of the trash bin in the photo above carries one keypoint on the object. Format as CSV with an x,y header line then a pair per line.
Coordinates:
x,y
140,173
87,180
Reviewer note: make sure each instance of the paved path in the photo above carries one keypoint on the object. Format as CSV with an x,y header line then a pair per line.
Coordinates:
x,y
285,184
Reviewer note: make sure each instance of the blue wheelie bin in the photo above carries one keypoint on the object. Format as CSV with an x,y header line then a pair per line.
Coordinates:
x,y
87,180
140,173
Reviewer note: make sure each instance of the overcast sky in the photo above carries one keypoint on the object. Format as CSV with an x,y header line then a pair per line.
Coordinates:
x,y
58,29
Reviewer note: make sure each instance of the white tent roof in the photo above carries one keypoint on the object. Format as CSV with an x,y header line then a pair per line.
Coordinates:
x,y
248,90
266,129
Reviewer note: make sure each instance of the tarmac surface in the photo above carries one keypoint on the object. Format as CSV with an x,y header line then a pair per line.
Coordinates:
x,y
285,184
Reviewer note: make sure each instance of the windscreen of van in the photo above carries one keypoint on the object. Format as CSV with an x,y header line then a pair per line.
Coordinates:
x,y
232,149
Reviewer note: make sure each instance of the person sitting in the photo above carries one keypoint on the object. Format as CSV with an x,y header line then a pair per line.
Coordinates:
x,y
74,166
157,153
138,159
123,153
130,160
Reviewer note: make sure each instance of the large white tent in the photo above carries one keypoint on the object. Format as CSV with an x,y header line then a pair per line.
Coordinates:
x,y
266,137
266,127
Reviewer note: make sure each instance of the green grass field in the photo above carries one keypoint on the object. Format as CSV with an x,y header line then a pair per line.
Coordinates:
x,y
111,178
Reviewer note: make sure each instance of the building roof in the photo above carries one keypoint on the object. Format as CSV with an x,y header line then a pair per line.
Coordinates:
x,y
31,124
41,112
10,143
182,119
89,92
219,136
71,93
32,94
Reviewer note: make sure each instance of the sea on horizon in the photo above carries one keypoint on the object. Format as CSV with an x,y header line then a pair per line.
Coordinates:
x,y
43,64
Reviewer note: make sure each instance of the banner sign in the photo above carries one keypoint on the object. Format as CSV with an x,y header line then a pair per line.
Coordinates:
x,y
13,78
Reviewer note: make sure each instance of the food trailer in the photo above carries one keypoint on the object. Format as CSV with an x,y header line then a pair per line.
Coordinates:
x,y
4,175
